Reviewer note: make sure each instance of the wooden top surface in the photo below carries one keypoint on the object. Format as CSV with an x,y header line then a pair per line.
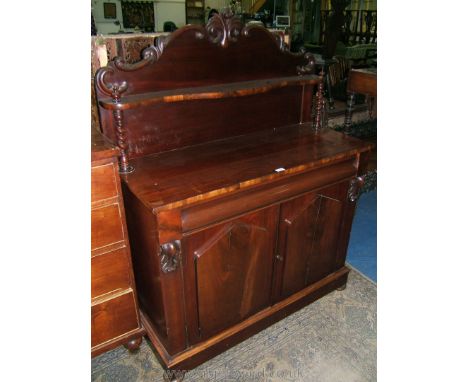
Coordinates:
x,y
180,177
100,147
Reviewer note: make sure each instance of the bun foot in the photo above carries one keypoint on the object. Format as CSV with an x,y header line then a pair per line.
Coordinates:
x,y
173,375
134,344
343,287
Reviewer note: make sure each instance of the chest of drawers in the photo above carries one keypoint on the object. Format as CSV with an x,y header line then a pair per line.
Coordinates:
x,y
114,307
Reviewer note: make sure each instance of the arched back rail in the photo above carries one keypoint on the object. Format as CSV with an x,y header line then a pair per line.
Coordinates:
x,y
201,84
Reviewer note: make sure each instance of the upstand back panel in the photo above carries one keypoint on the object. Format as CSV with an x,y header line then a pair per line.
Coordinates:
x,y
239,206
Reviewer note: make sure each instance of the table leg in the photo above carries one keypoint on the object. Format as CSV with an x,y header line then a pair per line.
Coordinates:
x,y
349,112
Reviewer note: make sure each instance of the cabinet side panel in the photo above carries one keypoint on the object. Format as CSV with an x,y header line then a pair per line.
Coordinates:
x,y
144,245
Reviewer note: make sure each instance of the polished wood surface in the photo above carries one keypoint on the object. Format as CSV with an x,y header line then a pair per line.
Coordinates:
x,y
219,91
238,204
229,278
114,307
308,228
198,173
229,71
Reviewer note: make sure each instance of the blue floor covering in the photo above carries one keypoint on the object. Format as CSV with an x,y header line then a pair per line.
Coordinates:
x,y
362,249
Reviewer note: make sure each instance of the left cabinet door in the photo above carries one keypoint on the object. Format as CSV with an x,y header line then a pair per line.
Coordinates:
x,y
229,271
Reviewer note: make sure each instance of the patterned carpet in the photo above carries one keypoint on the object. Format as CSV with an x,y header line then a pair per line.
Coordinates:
x,y
331,340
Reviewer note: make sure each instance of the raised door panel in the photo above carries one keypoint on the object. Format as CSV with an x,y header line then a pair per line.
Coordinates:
x,y
309,231
232,267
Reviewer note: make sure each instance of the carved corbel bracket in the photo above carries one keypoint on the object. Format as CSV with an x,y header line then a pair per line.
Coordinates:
x,y
309,67
354,188
170,256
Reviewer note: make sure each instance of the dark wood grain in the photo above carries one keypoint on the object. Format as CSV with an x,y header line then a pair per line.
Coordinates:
x,y
220,208
218,91
237,206
183,177
188,73
232,276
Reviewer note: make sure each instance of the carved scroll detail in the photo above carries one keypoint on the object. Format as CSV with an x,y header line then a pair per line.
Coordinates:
x,y
149,55
309,67
115,90
170,256
224,28
354,188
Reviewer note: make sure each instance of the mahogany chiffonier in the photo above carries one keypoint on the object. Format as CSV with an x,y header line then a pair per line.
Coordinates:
x,y
114,309
239,205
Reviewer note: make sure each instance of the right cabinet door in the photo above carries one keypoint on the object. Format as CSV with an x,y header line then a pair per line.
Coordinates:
x,y
309,235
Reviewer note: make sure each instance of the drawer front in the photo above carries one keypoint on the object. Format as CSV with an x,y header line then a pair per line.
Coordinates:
x,y
103,182
110,272
203,214
106,226
113,318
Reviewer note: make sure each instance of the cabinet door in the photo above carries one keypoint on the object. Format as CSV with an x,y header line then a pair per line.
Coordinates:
x,y
229,272
309,231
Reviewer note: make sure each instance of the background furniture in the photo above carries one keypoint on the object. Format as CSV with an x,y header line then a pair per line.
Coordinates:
x,y
114,307
362,81
195,12
239,209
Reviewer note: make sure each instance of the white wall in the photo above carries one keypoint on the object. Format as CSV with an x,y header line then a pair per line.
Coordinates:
x,y
216,4
169,10
164,10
